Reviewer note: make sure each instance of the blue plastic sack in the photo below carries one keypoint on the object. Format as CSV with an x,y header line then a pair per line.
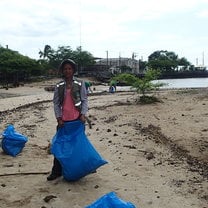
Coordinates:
x,y
110,200
12,142
74,151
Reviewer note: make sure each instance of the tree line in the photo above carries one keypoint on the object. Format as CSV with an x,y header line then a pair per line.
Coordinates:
x,y
16,68
171,66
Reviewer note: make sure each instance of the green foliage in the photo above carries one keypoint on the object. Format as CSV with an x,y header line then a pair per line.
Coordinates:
x,y
166,61
83,58
141,85
55,57
14,66
145,84
126,78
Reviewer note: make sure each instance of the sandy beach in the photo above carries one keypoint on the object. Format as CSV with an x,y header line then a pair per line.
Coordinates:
x,y
157,153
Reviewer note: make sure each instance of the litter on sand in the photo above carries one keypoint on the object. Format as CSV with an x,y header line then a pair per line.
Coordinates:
x,y
110,200
13,142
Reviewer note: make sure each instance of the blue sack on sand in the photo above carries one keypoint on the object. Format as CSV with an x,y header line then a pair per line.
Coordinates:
x,y
12,142
74,151
110,200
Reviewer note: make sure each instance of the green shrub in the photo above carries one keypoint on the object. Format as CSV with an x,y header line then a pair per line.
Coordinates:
x,y
141,85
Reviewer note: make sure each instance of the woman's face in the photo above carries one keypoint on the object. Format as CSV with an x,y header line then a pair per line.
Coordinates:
x,y
68,71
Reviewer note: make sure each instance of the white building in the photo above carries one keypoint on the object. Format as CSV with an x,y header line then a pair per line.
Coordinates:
x,y
115,64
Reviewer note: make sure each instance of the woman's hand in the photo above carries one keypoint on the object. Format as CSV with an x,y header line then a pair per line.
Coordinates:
x,y
82,118
60,122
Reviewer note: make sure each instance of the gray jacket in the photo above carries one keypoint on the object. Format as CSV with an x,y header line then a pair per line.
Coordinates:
x,y
79,96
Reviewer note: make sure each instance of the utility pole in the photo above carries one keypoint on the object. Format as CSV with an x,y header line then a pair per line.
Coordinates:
x,y
107,59
80,39
196,61
119,60
203,58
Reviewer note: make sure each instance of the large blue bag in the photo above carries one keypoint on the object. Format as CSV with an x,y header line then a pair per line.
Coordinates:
x,y
110,200
74,151
12,142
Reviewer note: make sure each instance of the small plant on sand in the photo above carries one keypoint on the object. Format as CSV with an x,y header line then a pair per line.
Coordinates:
x,y
142,85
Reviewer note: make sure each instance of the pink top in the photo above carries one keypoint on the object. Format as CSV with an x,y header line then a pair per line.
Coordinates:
x,y
69,111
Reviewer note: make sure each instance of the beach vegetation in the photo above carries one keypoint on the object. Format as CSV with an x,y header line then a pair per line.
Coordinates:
x,y
55,56
15,67
142,86
167,62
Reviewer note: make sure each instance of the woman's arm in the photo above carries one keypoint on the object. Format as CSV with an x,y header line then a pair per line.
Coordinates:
x,y
84,99
56,104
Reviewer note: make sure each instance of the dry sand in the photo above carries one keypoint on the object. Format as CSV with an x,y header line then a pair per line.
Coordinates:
x,y
157,153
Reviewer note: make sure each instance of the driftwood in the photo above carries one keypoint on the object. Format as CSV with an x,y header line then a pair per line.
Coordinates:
x,y
24,173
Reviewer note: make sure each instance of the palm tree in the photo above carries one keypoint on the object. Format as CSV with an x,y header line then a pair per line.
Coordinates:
x,y
45,53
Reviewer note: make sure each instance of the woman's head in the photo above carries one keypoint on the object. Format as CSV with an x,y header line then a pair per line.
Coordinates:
x,y
67,62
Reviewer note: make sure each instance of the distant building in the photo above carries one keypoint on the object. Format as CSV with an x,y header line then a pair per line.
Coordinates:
x,y
115,64
104,68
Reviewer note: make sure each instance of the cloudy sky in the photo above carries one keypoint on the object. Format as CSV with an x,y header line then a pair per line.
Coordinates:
x,y
116,27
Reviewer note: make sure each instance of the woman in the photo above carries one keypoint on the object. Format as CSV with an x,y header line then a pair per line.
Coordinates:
x,y
70,104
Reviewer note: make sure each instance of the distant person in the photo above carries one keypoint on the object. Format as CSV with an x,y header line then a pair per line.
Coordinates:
x,y
88,87
70,104
112,87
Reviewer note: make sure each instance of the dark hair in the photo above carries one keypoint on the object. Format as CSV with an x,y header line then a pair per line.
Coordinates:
x,y
67,61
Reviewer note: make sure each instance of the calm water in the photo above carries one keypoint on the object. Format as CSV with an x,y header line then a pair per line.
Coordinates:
x,y
177,83
185,83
